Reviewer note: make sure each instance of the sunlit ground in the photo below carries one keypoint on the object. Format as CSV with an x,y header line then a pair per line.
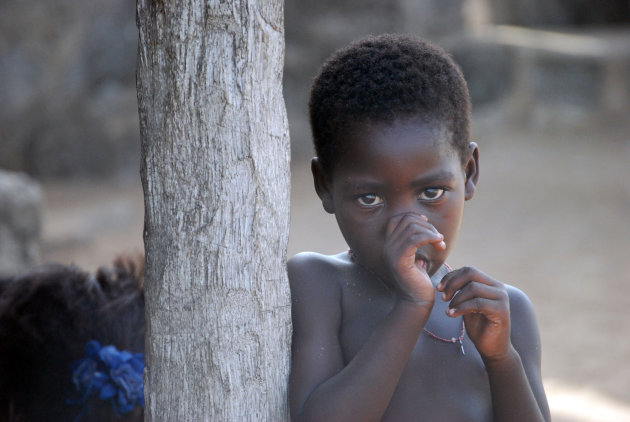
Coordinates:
x,y
575,404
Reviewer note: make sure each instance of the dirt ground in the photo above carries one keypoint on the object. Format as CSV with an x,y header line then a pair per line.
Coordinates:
x,y
550,216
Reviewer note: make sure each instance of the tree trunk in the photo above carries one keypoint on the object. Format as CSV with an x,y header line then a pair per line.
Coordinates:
x,y
215,172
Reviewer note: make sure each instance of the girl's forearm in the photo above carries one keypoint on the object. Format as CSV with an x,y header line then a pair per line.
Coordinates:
x,y
363,389
512,396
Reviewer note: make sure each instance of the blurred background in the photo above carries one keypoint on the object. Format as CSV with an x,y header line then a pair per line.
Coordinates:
x,y
550,86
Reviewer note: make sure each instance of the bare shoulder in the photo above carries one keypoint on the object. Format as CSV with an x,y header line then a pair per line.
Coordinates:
x,y
314,259
316,314
315,272
314,280
525,335
523,318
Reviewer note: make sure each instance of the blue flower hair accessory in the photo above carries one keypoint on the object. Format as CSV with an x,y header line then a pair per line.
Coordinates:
x,y
111,375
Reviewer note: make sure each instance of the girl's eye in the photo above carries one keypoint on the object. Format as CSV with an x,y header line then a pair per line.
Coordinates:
x,y
370,200
432,194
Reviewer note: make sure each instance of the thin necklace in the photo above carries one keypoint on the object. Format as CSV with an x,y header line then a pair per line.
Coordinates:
x,y
458,341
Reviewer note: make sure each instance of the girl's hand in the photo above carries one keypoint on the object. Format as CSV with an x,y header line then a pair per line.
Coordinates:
x,y
407,233
485,307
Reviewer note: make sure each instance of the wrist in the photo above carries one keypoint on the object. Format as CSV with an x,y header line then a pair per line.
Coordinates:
x,y
414,304
502,362
413,314
417,291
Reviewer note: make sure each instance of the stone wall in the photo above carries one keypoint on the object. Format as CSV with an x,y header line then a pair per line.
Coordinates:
x,y
67,74
20,222
67,83
536,13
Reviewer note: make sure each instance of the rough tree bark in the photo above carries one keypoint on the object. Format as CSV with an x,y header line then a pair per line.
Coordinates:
x,y
215,172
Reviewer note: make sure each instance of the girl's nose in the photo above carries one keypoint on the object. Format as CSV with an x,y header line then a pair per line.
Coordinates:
x,y
403,206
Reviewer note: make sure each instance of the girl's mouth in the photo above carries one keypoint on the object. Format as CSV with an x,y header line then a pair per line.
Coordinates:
x,y
422,262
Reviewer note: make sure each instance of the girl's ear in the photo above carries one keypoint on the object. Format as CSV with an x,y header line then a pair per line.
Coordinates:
x,y
322,186
471,169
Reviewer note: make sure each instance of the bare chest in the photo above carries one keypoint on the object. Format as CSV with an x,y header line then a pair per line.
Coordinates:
x,y
439,382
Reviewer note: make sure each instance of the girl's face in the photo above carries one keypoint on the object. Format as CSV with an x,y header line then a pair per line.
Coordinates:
x,y
388,170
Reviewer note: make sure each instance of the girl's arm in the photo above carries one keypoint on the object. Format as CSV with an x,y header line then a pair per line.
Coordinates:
x,y
500,321
525,364
321,388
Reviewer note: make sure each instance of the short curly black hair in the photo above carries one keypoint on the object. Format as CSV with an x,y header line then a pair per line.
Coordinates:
x,y
383,78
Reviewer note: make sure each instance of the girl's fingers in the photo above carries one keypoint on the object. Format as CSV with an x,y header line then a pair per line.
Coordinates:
x,y
491,309
483,303
399,222
474,290
410,231
471,291
457,279
421,238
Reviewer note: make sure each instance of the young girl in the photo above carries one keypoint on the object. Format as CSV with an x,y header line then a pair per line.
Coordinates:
x,y
387,330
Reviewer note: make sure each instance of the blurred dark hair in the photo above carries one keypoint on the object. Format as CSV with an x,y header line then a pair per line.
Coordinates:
x,y
47,315
380,79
